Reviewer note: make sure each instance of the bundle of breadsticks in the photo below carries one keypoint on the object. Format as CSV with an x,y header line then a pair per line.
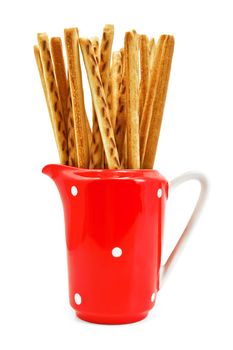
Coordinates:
x,y
128,89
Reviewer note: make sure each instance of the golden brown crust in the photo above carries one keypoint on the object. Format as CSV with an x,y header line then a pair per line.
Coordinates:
x,y
60,74
96,146
116,77
72,147
42,79
96,47
145,71
131,73
96,153
127,113
89,133
89,130
105,54
125,152
120,129
53,98
159,102
152,50
148,106
104,64
109,94
77,96
100,103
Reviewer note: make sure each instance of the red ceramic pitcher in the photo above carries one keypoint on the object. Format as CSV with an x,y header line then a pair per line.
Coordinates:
x,y
114,231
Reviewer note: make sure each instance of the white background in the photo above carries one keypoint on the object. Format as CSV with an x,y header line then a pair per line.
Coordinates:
x,y
194,309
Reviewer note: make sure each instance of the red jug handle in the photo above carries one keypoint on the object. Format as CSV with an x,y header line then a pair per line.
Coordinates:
x,y
167,267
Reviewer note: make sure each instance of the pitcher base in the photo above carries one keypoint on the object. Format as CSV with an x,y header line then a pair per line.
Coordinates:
x,y
111,319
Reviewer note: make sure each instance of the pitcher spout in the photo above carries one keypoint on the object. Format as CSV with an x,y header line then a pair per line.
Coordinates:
x,y
60,174
52,170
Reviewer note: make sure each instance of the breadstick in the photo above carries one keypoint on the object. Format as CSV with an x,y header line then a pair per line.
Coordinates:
x,y
60,74
109,103
109,95
53,98
73,157
148,106
105,58
100,104
96,151
120,129
89,133
96,48
159,102
125,152
116,76
76,90
131,73
41,73
72,147
152,50
105,54
96,146
145,72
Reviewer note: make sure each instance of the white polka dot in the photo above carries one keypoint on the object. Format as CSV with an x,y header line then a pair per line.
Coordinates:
x,y
74,191
153,297
77,298
116,252
159,193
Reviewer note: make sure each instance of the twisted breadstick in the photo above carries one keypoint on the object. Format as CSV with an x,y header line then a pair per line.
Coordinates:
x,y
100,103
89,133
105,55
72,146
145,71
131,73
104,64
159,102
116,77
120,129
96,143
42,79
53,98
152,50
109,95
77,97
150,97
60,74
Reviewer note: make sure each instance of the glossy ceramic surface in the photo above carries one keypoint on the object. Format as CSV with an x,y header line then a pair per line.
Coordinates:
x,y
114,228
